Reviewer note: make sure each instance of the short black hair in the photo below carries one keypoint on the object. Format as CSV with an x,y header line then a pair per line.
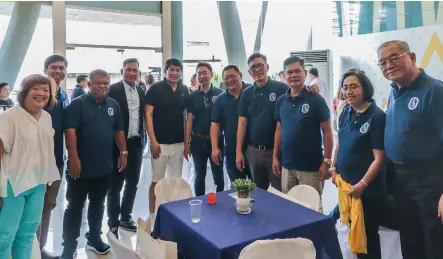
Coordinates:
x,y
257,55
98,72
281,73
204,64
173,62
81,78
368,88
55,58
313,71
130,60
3,84
229,67
292,60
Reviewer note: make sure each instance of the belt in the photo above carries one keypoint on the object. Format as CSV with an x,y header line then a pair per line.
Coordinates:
x,y
261,147
134,138
203,136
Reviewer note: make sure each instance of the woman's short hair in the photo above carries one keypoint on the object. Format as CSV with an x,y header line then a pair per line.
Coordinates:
x,y
368,88
36,79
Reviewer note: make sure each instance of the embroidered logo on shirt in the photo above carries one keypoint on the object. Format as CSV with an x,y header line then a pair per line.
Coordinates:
x,y
272,97
364,128
413,103
214,98
110,111
305,108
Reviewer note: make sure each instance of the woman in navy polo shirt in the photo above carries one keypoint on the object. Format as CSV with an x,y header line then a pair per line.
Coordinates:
x,y
360,152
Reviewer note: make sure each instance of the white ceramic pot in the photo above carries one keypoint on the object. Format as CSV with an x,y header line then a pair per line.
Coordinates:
x,y
243,205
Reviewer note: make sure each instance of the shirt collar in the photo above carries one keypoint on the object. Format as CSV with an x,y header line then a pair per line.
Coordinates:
x,y
93,100
415,84
300,95
373,104
211,89
265,86
243,88
127,86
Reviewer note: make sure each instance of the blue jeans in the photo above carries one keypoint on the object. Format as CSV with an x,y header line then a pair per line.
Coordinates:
x,y
20,217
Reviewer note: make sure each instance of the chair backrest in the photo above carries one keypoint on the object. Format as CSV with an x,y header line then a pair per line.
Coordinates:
x,y
292,248
119,250
306,194
285,196
171,189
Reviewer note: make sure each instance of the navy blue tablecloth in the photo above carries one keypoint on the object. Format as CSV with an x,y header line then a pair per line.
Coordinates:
x,y
222,233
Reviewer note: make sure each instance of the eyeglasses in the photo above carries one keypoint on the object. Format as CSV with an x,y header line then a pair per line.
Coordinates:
x,y
351,87
231,77
391,59
257,68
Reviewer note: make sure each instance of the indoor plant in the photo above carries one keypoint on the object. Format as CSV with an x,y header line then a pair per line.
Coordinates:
x,y
243,199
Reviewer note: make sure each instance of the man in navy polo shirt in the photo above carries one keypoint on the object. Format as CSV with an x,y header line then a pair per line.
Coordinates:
x,y
414,142
256,121
301,117
55,68
92,123
224,118
198,123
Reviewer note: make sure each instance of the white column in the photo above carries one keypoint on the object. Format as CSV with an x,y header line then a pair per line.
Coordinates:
x,y
166,31
59,30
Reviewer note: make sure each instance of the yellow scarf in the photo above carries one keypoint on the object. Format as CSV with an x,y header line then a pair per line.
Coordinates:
x,y
351,214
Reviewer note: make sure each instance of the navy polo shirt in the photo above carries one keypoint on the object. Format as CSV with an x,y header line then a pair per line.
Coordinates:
x,y
95,123
414,123
257,105
168,114
358,135
200,105
57,115
225,113
300,118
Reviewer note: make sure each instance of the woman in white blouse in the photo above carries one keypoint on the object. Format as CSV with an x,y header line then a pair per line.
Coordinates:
x,y
27,165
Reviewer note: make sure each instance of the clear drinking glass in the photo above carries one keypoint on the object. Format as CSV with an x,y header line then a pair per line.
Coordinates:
x,y
196,207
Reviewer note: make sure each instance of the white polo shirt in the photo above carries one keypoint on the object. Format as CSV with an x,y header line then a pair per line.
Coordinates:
x,y
29,151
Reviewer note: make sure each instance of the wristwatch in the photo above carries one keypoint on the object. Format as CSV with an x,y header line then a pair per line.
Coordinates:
x,y
332,170
327,161
124,153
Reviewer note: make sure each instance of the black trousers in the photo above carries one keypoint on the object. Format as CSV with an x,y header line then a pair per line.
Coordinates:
x,y
372,215
231,167
417,191
201,151
77,192
131,175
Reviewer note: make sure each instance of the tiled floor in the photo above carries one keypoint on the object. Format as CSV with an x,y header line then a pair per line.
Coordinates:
x,y
141,209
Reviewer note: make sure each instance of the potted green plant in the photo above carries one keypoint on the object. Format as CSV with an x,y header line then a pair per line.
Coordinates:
x,y
243,199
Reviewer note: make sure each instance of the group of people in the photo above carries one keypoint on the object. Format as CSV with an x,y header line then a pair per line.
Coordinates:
x,y
271,132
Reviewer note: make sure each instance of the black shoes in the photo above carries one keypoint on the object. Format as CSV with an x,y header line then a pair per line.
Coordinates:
x,y
98,247
128,226
114,231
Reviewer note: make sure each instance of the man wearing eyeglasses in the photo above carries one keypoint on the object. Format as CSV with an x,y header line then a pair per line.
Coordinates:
x,y
198,123
130,97
224,119
414,142
256,121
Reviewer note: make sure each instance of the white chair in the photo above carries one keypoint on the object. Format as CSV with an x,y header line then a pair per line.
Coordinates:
x,y
119,250
285,196
171,189
306,194
292,248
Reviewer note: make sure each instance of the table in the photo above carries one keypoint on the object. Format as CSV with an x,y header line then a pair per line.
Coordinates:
x,y
222,233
